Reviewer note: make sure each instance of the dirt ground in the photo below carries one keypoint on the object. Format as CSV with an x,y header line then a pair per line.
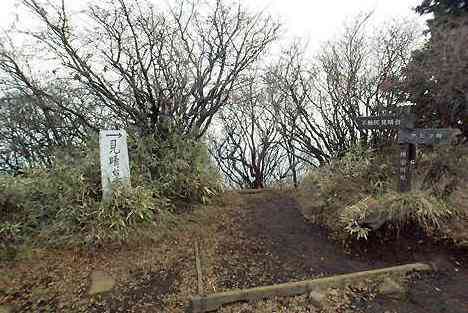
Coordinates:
x,y
270,242
251,240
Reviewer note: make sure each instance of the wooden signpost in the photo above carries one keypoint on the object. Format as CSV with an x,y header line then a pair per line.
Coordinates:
x,y
379,122
408,138
426,136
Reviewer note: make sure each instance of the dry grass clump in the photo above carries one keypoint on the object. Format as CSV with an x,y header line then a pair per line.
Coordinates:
x,y
325,191
357,195
396,210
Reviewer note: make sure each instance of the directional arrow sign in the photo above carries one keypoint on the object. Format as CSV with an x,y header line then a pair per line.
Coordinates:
x,y
386,121
119,135
408,138
426,136
378,122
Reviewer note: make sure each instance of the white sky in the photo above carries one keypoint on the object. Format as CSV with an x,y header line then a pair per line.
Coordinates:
x,y
319,20
314,20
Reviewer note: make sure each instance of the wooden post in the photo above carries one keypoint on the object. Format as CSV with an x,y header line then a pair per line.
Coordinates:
x,y
199,269
408,138
407,155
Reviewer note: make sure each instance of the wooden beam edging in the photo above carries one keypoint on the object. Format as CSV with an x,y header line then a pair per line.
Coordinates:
x,y
199,269
213,302
253,191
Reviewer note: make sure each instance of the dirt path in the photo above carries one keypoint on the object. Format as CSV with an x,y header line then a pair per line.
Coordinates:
x,y
269,242
251,240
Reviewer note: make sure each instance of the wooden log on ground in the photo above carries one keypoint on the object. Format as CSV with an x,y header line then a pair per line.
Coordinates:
x,y
199,269
252,191
213,302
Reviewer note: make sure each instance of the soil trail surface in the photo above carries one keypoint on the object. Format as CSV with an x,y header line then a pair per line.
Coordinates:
x,y
269,242
251,240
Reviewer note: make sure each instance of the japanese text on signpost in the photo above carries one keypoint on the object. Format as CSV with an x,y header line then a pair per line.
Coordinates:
x,y
114,160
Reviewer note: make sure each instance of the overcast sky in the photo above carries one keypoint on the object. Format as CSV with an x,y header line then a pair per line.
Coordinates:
x,y
320,19
315,20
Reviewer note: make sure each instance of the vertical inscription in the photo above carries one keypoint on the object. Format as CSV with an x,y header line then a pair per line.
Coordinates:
x,y
405,167
114,160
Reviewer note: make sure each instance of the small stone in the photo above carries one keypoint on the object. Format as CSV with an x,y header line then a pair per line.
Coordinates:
x,y
391,289
38,293
101,282
317,298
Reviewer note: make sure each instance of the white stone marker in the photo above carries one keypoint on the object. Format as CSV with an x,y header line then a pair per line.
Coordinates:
x,y
114,160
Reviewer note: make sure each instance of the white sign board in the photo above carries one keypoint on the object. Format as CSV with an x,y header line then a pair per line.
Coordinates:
x,y
114,160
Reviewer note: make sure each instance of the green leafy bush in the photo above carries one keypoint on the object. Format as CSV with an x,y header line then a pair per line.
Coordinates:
x,y
62,204
177,167
355,163
9,232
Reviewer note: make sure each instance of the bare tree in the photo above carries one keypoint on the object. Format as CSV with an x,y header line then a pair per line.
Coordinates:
x,y
321,99
293,77
358,68
38,116
248,149
134,66
304,112
142,63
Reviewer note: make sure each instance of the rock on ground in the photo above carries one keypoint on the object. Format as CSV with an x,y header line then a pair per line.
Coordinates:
x,y
317,298
101,282
390,288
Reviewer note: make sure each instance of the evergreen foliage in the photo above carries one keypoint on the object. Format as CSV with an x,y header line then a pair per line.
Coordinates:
x,y
62,204
441,7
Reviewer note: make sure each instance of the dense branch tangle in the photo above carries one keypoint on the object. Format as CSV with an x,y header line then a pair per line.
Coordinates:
x,y
142,63
321,99
248,150
129,64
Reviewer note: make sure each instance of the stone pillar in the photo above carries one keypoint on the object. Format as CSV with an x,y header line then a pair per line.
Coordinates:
x,y
115,165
